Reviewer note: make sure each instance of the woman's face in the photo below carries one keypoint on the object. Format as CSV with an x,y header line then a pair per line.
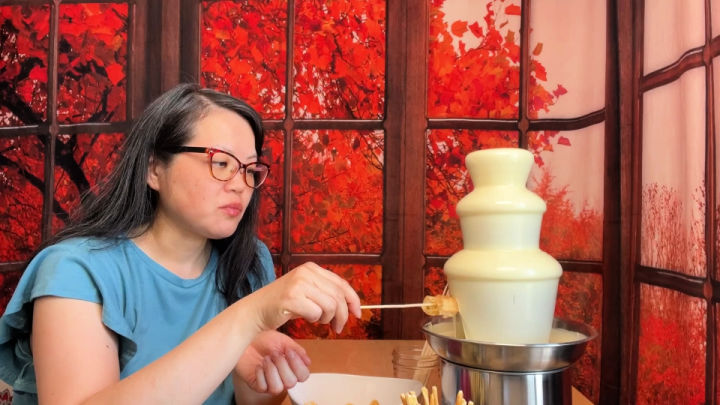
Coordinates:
x,y
190,198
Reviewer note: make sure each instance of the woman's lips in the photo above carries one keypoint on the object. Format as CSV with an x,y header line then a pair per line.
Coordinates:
x,y
232,210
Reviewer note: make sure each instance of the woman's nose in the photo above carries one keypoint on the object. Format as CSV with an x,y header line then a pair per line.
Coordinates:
x,y
237,182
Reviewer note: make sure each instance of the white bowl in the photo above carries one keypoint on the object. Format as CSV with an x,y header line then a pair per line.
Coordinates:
x,y
341,389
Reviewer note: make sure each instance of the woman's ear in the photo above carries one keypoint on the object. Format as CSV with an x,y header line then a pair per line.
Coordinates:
x,y
153,176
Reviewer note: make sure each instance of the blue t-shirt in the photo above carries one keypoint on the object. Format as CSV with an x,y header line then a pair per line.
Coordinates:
x,y
149,308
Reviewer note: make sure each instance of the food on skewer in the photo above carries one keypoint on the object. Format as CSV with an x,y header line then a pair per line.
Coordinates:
x,y
440,305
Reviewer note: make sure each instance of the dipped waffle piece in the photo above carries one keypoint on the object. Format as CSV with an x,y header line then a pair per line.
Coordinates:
x,y
437,305
440,305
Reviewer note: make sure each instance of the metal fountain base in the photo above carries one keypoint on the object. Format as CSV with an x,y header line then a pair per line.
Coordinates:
x,y
507,374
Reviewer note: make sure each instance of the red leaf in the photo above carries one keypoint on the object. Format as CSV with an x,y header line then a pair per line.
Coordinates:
x,y
539,70
538,49
512,10
39,73
115,73
257,56
476,29
563,141
459,28
240,66
559,91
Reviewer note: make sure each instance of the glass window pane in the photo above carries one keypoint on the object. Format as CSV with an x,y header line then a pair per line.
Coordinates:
x,y
23,64
22,162
339,59
8,282
673,176
447,181
671,347
367,281
565,55
92,62
337,191
671,29
580,299
272,192
474,59
81,161
568,176
434,280
243,52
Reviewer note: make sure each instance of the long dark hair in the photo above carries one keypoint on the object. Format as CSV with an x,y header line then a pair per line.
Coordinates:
x,y
124,205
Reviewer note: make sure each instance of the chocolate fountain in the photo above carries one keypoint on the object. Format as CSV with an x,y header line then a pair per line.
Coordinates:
x,y
504,347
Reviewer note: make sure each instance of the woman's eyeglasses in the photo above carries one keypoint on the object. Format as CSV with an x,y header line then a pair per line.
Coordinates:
x,y
224,166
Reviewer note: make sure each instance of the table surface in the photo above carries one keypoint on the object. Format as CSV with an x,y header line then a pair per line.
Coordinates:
x,y
367,357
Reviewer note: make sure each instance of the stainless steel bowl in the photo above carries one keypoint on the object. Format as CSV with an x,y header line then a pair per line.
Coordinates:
x,y
568,341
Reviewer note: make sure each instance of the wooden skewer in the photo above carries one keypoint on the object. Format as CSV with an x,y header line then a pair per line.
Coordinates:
x,y
383,306
442,305
396,306
432,305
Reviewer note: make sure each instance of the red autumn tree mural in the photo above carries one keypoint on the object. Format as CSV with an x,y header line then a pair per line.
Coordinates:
x,y
672,344
480,82
339,179
23,101
339,73
666,226
92,60
580,299
254,73
483,81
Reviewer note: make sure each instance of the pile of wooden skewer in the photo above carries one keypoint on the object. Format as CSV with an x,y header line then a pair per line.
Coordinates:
x,y
430,398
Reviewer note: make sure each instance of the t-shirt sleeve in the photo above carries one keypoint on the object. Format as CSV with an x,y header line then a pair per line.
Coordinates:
x,y
59,271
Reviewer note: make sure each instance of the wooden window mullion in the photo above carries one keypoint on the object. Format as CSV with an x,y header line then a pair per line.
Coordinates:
x,y
190,41
635,161
53,130
612,294
393,127
710,217
288,132
523,122
412,190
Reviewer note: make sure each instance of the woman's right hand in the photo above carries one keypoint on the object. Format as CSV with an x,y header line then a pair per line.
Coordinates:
x,y
310,292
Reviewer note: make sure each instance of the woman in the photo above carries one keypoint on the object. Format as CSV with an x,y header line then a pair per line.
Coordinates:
x,y
159,291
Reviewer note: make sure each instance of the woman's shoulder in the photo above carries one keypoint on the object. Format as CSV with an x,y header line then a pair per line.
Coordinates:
x,y
74,256
82,245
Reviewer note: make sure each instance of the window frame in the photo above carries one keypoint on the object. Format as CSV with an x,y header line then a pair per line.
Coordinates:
x,y
50,130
